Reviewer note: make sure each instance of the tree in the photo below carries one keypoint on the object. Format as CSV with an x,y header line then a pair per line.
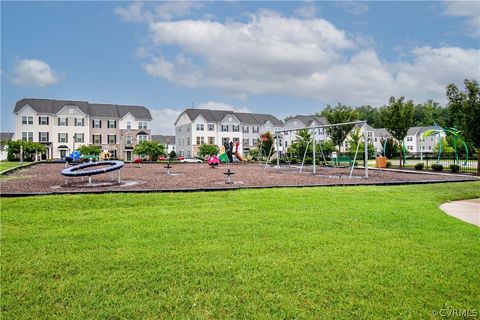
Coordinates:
x,y
90,150
303,138
464,108
430,113
207,150
339,114
355,140
369,114
398,118
29,148
392,147
446,148
151,149
173,154
265,144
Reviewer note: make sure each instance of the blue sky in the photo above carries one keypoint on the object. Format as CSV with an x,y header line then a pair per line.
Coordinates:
x,y
282,58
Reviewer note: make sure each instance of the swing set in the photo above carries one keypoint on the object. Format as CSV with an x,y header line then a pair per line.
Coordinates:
x,y
314,144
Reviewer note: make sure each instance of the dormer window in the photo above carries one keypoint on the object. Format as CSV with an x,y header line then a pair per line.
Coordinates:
x,y
129,125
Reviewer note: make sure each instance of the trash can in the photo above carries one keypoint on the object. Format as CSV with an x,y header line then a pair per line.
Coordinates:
x,y
380,162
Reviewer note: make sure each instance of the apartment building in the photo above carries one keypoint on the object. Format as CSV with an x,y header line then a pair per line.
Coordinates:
x,y
167,141
195,127
414,141
300,122
64,125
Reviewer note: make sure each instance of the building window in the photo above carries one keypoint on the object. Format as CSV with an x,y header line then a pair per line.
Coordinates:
x,y
63,137
129,125
142,125
27,136
42,120
96,123
79,122
245,142
286,144
211,140
429,147
200,127
224,128
43,136
97,139
188,141
200,140
246,129
235,140
111,124
79,138
369,134
225,140
113,153
62,121
112,139
142,137
128,140
376,139
255,129
236,128
27,120
210,127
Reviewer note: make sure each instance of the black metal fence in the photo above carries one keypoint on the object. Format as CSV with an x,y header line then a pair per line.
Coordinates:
x,y
411,160
444,159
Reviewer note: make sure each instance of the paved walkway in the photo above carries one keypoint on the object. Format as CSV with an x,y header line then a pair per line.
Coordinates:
x,y
465,210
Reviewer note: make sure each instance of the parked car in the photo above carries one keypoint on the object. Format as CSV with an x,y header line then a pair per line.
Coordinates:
x,y
180,158
191,160
162,158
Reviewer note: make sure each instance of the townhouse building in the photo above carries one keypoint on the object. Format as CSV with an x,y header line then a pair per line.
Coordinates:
x,y
64,125
166,140
303,121
414,141
195,127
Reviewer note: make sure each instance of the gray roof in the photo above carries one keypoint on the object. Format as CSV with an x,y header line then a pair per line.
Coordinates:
x,y
415,130
309,119
51,106
219,115
163,139
6,136
382,132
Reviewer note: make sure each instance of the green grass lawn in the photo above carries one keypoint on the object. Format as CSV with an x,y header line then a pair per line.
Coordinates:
x,y
326,253
4,165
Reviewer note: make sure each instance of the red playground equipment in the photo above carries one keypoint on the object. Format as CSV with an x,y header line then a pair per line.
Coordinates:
x,y
213,161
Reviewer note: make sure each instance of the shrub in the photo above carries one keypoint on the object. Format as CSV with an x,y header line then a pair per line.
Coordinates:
x,y
173,154
308,160
389,164
282,160
294,161
454,167
419,166
437,167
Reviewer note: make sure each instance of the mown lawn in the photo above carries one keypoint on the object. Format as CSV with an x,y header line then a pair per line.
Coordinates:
x,y
4,165
324,253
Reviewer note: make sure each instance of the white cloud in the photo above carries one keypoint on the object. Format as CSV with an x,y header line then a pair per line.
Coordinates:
x,y
354,7
273,54
32,72
214,105
162,120
307,11
168,10
468,9
133,13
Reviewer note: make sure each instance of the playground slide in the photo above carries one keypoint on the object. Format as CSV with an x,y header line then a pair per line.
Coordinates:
x,y
239,157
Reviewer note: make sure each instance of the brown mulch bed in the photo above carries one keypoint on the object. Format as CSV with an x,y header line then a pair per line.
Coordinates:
x,y
46,178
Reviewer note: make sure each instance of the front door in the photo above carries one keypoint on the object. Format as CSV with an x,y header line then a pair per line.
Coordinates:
x,y
128,156
63,153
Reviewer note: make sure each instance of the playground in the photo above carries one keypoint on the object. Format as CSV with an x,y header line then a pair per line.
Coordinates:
x,y
47,177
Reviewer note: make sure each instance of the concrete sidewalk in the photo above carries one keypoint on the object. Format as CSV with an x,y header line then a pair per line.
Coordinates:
x,y
465,210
